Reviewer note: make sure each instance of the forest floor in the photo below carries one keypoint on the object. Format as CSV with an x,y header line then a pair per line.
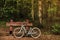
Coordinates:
x,y
5,36
42,37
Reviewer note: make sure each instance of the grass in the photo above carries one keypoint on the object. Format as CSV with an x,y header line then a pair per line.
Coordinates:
x,y
3,24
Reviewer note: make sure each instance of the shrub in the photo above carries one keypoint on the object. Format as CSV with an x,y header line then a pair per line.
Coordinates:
x,y
56,29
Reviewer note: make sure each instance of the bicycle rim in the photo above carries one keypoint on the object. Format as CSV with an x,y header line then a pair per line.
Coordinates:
x,y
36,32
18,34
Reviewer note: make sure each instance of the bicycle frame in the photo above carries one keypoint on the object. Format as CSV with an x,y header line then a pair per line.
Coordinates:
x,y
23,28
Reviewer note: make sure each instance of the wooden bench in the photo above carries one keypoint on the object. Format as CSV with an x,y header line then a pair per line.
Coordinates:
x,y
11,24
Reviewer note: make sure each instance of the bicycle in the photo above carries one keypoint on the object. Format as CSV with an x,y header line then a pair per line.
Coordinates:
x,y
19,32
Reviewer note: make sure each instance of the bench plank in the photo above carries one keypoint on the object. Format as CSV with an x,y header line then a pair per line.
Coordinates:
x,y
18,24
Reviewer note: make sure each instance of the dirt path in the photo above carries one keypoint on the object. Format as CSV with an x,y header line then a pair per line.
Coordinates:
x,y
12,38
43,37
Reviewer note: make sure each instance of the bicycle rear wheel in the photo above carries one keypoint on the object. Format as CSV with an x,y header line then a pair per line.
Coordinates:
x,y
18,33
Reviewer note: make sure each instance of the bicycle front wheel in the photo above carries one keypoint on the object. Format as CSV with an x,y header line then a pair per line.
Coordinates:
x,y
36,32
18,33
